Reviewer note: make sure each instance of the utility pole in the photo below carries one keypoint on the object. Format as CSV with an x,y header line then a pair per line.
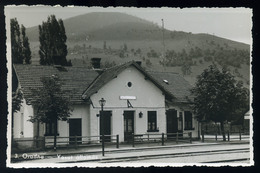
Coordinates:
x,y
163,38
102,104
163,53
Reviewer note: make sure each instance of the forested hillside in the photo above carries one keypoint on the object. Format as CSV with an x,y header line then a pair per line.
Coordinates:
x,y
118,37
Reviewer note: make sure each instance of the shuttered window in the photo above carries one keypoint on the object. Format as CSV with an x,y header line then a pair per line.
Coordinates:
x,y
49,129
188,120
152,121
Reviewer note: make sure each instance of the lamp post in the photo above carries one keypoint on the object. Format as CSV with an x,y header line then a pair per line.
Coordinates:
x,y
102,103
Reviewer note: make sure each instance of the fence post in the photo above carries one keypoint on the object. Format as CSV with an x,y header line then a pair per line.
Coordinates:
x,y
177,137
103,144
202,134
190,137
133,139
239,134
228,135
43,142
75,139
162,138
198,131
117,141
216,136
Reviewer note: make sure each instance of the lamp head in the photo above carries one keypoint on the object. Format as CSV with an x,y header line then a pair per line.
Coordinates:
x,y
102,102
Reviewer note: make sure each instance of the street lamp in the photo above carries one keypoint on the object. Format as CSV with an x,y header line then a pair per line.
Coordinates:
x,y
102,103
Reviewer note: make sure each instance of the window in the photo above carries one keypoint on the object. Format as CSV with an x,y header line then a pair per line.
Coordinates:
x,y
129,84
152,122
49,129
180,121
188,120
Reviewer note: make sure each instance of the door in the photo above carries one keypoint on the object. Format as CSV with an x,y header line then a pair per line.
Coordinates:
x,y
172,122
75,130
128,125
107,125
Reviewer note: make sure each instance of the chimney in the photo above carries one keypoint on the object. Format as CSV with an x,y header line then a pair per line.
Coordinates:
x,y
95,63
139,63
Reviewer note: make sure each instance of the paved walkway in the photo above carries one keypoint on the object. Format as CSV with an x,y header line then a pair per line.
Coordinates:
x,y
111,152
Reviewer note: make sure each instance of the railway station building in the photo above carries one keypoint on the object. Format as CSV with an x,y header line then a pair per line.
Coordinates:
x,y
137,101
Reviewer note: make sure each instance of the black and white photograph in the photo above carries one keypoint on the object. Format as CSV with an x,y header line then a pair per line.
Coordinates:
x,y
128,87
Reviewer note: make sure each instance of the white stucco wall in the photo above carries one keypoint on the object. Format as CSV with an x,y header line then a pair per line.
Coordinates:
x,y
148,98
79,111
21,122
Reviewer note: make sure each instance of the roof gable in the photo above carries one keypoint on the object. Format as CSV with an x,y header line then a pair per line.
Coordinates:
x,y
111,73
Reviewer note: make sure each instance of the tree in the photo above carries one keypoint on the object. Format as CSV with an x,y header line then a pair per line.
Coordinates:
x,y
26,51
21,52
219,97
17,100
51,103
53,48
16,44
125,47
186,69
105,45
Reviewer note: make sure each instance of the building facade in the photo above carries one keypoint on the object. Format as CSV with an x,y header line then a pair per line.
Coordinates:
x,y
137,102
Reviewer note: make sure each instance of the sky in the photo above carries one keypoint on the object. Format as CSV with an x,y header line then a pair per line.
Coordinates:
x,y
230,23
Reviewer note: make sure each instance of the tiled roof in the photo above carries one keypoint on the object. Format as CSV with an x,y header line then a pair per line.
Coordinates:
x,y
174,83
81,82
74,80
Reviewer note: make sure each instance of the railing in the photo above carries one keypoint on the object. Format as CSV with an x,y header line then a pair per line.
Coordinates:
x,y
79,141
229,136
109,140
161,138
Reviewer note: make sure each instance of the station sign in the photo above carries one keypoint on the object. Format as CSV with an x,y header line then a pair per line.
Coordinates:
x,y
127,97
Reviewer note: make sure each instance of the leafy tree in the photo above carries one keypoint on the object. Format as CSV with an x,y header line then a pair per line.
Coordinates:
x,y
17,98
21,52
16,43
26,51
105,45
148,62
51,103
186,69
138,51
125,47
53,48
219,97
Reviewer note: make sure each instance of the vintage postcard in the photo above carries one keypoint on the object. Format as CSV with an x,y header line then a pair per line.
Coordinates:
x,y
93,86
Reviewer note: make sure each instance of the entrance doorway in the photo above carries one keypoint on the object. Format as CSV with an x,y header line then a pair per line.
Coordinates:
x,y
75,130
107,125
172,122
128,125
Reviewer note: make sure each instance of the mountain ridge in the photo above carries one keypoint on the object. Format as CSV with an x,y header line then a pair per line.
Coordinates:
x,y
95,24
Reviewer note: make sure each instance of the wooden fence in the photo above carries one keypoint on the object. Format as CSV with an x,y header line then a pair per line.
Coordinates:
x,y
229,136
161,138
110,140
